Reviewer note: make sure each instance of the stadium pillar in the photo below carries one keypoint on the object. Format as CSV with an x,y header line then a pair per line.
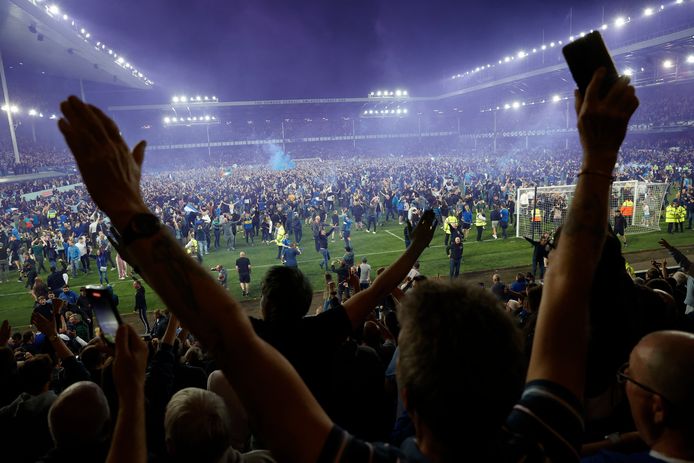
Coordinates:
x,y
494,150
82,95
6,97
354,136
209,150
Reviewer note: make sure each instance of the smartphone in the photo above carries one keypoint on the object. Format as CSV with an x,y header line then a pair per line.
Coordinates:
x,y
105,311
585,56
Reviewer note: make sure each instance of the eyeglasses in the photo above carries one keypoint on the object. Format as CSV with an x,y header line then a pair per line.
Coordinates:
x,y
622,378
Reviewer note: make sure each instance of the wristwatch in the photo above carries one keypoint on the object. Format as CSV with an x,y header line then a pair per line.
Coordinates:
x,y
142,225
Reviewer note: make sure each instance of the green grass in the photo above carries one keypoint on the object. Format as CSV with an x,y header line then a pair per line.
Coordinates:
x,y
381,249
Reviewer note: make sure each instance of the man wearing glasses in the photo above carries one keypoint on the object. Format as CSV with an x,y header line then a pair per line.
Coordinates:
x,y
659,383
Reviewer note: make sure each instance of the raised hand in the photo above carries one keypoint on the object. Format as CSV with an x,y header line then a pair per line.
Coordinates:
x,y
129,364
664,243
602,122
45,325
424,231
104,160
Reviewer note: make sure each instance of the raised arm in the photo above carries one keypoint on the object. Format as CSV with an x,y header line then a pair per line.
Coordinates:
x,y
561,337
285,412
359,305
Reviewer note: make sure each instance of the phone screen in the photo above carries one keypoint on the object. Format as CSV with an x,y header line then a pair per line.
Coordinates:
x,y
105,311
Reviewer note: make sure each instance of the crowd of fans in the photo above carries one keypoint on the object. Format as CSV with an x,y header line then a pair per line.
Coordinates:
x,y
435,368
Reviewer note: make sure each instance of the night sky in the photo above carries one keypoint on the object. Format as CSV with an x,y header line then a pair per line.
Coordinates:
x,y
255,49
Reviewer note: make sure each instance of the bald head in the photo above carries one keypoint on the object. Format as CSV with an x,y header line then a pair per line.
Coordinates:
x,y
79,416
664,360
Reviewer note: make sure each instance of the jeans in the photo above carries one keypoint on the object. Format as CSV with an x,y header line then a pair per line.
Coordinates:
x,y
479,232
541,263
504,226
454,268
326,258
231,241
203,247
298,234
103,275
371,220
216,239
75,265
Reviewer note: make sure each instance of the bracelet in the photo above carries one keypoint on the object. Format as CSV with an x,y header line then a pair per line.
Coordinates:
x,y
596,173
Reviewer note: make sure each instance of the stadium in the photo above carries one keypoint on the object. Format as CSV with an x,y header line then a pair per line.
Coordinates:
x,y
356,161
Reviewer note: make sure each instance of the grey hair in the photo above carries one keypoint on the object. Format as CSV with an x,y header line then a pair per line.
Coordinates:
x,y
197,426
80,415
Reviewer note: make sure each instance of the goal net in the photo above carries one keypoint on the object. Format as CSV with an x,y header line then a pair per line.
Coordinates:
x,y
543,209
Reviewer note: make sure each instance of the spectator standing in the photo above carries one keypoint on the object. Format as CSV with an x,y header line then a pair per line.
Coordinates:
x,y
364,274
141,304
455,257
243,267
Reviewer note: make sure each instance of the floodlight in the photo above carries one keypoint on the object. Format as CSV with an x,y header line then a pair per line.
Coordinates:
x,y
41,115
628,72
561,43
54,9
551,44
88,35
33,112
679,2
544,47
667,64
398,92
214,98
404,111
121,60
392,111
515,105
582,34
604,27
207,118
197,98
620,21
167,120
404,93
189,119
110,52
571,38
507,106
398,111
195,118
214,118
175,99
534,51
648,12
175,119
82,31
556,99
690,59
65,17
507,59
378,93
371,111
522,54
183,99
53,117
206,98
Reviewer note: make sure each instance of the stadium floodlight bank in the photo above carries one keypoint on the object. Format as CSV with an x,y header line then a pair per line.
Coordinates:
x,y
543,209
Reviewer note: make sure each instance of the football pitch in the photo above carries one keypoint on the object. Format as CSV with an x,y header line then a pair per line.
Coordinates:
x,y
381,249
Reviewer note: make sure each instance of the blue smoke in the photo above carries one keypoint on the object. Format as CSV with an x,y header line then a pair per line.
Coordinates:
x,y
279,160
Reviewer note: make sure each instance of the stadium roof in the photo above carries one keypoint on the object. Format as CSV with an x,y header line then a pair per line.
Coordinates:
x,y
43,37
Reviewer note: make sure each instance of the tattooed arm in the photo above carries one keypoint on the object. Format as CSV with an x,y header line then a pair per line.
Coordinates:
x,y
284,411
561,336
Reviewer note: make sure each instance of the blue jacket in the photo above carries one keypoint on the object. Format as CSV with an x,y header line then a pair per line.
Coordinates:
x,y
73,253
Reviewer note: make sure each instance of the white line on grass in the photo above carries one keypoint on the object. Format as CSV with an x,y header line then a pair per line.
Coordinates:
x,y
394,235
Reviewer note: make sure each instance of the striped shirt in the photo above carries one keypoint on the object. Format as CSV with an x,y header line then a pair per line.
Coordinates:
x,y
546,425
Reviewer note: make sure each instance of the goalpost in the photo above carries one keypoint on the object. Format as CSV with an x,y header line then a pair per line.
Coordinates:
x,y
543,209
